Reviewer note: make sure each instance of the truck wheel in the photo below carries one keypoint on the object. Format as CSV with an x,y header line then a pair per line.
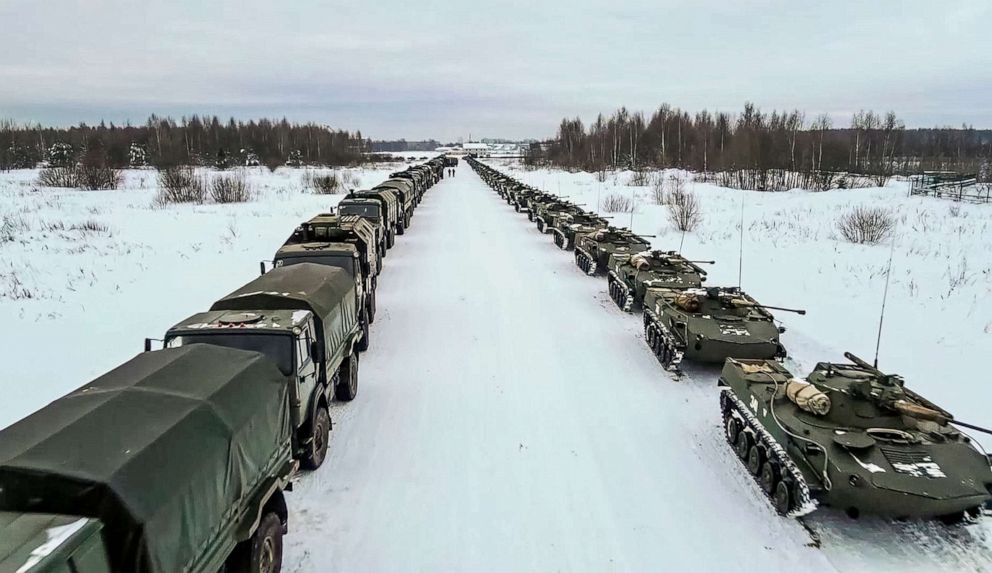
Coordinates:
x,y
363,344
372,307
391,239
319,437
400,227
263,552
407,220
347,387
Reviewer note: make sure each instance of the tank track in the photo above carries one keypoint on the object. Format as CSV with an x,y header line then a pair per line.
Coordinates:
x,y
802,502
561,241
541,224
620,292
661,341
585,261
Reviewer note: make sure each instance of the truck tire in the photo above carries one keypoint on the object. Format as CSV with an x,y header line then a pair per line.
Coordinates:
x,y
372,307
347,387
319,437
406,221
390,239
400,227
263,552
363,344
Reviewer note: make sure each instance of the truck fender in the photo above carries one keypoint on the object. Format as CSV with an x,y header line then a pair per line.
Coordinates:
x,y
272,500
319,397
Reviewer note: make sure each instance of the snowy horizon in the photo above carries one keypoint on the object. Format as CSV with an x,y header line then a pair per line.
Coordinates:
x,y
444,71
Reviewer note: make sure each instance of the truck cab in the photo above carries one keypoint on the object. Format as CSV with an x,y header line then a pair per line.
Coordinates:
x,y
47,543
287,337
371,211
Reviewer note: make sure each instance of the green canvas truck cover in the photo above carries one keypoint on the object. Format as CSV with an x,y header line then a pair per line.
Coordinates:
x,y
162,450
328,292
40,541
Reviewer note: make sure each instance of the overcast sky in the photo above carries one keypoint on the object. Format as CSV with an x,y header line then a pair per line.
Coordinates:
x,y
490,68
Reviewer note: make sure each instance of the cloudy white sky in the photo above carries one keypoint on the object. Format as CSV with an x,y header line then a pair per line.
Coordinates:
x,y
490,68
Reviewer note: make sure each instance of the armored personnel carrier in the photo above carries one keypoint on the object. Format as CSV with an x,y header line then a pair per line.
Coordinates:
x,y
630,275
709,325
593,250
551,214
851,437
568,226
538,202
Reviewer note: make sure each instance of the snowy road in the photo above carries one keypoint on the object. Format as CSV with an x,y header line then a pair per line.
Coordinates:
x,y
511,419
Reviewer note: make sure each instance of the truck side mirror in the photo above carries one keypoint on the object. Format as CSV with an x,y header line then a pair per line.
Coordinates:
x,y
148,345
261,267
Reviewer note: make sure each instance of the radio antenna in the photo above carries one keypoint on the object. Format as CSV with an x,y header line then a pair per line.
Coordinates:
x,y
885,297
740,254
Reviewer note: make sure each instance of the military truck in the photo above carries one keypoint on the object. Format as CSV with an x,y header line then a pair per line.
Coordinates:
x,y
328,227
174,461
305,318
570,226
593,250
851,437
631,274
379,208
403,188
709,325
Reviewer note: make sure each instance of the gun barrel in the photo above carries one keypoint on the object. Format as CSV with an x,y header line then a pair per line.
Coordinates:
x,y
795,310
861,362
704,262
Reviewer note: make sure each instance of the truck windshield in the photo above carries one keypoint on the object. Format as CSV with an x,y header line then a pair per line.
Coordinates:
x,y
279,348
369,211
344,261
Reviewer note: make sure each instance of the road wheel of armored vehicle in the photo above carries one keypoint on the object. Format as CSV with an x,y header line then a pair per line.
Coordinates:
x,y
320,432
742,445
347,387
732,428
363,320
540,225
263,552
755,459
771,473
782,498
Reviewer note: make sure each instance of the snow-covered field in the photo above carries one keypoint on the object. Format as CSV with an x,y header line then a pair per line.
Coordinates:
x,y
86,275
510,418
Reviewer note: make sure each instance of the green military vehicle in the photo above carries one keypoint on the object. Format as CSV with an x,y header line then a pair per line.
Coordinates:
x,y
403,188
632,274
379,208
553,216
569,226
850,437
175,461
545,212
328,227
709,325
305,318
535,203
521,196
593,249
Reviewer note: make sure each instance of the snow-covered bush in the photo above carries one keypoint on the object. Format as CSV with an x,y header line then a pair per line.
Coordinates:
x,y
94,177
180,185
233,188
10,226
639,179
615,203
684,210
329,183
867,225
58,177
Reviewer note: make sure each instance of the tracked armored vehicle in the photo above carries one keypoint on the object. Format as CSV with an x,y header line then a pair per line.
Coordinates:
x,y
850,437
709,325
550,215
630,275
593,250
569,226
537,202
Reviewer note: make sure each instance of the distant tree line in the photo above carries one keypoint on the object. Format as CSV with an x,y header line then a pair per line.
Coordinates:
x,y
404,145
165,142
759,150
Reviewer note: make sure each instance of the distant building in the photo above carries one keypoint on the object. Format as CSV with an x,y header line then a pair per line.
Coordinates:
x,y
480,149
